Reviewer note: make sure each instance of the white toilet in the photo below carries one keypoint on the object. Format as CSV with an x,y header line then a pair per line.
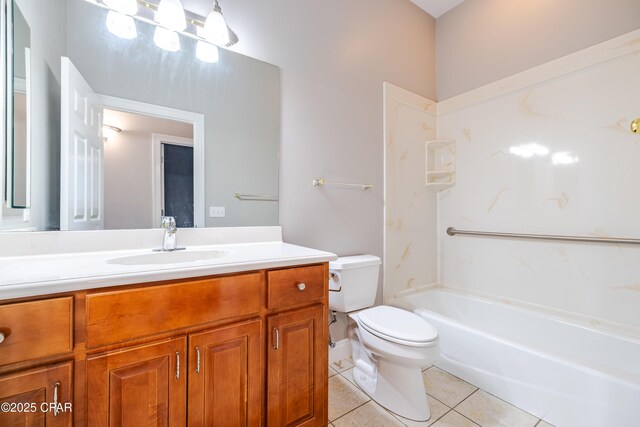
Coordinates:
x,y
389,345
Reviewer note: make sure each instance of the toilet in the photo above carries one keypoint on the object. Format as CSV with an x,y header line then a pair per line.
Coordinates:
x,y
389,345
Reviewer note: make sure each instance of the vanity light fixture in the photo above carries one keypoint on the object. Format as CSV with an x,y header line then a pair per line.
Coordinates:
x,y
171,21
121,25
206,52
127,7
215,27
166,39
170,14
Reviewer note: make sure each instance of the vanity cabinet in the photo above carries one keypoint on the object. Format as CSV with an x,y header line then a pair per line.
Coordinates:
x,y
297,361
140,386
225,376
246,349
297,368
27,396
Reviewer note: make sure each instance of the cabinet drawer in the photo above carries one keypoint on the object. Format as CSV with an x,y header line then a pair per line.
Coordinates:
x,y
36,329
285,287
122,315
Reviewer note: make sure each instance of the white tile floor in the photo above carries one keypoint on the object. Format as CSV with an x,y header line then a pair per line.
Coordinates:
x,y
453,403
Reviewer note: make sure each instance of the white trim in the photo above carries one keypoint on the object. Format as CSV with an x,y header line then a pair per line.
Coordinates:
x,y
3,102
196,119
157,178
609,50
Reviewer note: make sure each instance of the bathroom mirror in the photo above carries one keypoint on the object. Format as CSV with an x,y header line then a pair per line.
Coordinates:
x,y
147,107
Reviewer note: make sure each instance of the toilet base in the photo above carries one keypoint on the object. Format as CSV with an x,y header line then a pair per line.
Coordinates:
x,y
397,388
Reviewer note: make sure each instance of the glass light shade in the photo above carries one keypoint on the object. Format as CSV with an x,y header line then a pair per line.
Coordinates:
x,y
207,52
171,15
215,29
166,39
128,7
121,25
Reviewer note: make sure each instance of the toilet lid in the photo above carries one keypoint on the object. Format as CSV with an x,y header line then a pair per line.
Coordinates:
x,y
397,325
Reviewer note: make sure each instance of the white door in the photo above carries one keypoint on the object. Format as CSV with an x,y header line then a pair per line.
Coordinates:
x,y
82,154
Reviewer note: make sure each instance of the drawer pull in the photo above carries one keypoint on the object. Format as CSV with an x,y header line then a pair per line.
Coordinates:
x,y
277,344
177,365
2,337
56,386
302,287
197,360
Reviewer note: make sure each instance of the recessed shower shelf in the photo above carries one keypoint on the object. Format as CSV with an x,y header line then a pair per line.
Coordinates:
x,y
441,163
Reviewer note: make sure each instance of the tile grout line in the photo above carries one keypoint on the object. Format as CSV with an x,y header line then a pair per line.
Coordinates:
x,y
465,417
472,393
346,413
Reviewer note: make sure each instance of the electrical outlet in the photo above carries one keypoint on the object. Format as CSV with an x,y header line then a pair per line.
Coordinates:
x,y
216,212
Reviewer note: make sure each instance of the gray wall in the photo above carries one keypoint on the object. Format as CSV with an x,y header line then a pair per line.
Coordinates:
x,y
482,41
239,96
334,57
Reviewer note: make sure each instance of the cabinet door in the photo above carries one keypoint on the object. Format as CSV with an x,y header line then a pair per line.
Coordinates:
x,y
142,386
297,368
37,397
225,376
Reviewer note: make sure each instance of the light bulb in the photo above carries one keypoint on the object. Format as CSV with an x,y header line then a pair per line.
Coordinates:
x,y
171,15
215,29
121,25
166,39
206,52
128,7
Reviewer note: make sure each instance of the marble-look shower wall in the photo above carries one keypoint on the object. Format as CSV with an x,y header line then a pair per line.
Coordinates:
x,y
410,239
549,151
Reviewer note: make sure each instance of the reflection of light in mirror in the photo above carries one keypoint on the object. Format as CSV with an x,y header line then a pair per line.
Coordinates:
x,y
171,15
128,7
207,52
564,158
121,25
166,39
110,132
529,150
215,27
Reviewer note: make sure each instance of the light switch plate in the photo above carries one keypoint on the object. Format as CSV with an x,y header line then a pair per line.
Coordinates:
x,y
216,212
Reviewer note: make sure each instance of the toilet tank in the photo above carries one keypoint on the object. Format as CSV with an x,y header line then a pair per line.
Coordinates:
x,y
353,282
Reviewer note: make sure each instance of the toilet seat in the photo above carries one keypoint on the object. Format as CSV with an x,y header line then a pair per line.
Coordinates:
x,y
398,326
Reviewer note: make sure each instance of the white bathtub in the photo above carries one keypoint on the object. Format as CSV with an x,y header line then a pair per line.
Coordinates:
x,y
567,374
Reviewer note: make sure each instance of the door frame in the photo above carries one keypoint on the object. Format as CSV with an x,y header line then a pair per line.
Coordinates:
x,y
196,120
157,181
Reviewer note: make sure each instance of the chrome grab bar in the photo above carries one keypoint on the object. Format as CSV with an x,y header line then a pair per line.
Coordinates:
x,y
451,231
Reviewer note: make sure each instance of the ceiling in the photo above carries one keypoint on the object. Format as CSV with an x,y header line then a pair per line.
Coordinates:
x,y
433,7
436,8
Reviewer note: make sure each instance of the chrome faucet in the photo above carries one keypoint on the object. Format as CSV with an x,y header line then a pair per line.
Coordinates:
x,y
169,242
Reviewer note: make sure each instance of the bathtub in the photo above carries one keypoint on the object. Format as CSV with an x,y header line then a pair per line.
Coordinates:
x,y
565,373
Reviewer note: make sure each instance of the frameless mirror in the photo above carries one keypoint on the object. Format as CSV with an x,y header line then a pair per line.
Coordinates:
x,y
123,131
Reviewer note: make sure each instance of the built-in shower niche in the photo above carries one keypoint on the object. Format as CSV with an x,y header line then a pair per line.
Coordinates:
x,y
441,163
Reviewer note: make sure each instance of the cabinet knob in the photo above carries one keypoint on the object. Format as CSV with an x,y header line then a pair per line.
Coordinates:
x,y
302,287
2,337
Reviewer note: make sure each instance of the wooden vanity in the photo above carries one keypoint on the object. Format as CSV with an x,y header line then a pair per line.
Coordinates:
x,y
245,349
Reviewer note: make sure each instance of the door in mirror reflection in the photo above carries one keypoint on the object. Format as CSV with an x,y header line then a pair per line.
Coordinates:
x,y
81,154
177,183
144,179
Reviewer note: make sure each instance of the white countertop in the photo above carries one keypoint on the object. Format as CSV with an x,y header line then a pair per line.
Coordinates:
x,y
24,276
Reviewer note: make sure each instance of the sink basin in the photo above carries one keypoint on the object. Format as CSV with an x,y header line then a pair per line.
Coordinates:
x,y
177,257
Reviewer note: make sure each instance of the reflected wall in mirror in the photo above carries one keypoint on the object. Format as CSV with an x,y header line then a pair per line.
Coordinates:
x,y
230,108
15,166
